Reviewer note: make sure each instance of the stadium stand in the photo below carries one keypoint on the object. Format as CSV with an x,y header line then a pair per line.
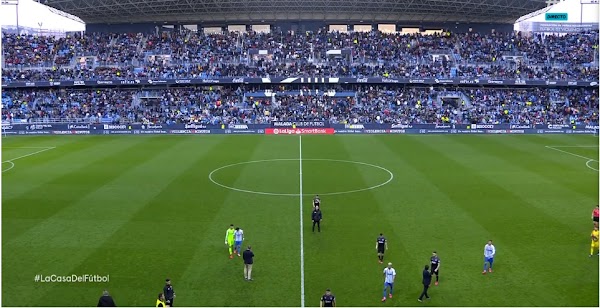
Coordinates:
x,y
374,105
185,55
318,54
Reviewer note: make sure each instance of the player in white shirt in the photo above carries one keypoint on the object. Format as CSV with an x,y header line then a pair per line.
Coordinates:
x,y
238,235
489,251
389,275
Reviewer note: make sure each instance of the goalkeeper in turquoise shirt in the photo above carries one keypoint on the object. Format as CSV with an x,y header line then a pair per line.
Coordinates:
x,y
229,240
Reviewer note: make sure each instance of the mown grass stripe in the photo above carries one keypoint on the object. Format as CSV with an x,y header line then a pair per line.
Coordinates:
x,y
270,224
493,207
70,228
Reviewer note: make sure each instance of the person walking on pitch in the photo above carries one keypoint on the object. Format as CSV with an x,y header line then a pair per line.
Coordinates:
x,y
426,283
381,246
239,238
169,293
389,275
435,267
316,202
489,251
317,216
595,242
248,257
327,300
229,240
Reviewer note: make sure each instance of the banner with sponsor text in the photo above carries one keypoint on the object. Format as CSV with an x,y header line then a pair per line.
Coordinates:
x,y
300,80
291,128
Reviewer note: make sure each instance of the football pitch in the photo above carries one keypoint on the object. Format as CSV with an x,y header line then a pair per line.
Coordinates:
x,y
145,208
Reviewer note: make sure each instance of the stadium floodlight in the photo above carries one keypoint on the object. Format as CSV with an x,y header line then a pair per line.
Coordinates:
x,y
552,2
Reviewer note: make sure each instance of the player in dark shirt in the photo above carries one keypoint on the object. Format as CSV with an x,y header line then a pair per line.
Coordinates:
x,y
328,300
316,202
316,217
435,267
169,292
381,247
426,282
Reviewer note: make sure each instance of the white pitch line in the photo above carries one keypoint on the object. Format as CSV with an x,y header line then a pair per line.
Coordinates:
x,y
301,231
566,152
12,165
211,174
587,164
27,155
572,146
23,156
27,147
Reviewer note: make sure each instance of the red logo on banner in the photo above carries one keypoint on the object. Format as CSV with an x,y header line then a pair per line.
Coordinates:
x,y
299,131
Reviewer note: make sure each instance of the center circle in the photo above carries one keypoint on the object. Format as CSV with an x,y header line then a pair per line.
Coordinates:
x,y
211,176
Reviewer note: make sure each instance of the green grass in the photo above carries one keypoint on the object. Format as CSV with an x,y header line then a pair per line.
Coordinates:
x,y
142,209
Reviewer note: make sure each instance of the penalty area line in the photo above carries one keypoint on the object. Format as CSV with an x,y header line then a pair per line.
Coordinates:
x,y
587,163
11,161
28,147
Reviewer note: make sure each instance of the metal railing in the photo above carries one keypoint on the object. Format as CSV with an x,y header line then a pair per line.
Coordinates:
x,y
64,120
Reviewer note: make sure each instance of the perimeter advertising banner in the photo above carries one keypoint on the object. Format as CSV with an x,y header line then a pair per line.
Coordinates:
x,y
299,131
300,80
292,128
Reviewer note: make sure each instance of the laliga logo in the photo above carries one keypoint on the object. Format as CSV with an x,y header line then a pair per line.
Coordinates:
x,y
276,131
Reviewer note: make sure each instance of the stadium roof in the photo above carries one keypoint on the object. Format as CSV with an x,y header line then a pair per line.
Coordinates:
x,y
220,11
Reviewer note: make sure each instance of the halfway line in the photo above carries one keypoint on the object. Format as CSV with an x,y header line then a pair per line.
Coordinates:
x,y
301,232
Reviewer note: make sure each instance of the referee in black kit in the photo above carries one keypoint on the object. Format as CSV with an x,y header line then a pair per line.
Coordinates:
x,y
169,292
316,218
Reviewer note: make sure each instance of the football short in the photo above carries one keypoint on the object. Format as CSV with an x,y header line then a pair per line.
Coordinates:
x,y
595,219
434,270
238,243
380,249
595,244
230,243
489,260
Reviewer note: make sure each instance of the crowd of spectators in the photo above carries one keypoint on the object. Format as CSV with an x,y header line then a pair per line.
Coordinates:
x,y
372,105
188,55
570,49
